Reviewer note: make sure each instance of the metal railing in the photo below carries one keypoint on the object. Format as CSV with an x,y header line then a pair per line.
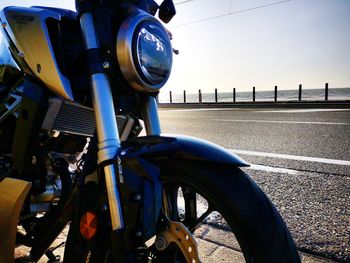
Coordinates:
x,y
273,96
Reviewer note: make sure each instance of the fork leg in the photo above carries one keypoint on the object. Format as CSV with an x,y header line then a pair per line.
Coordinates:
x,y
106,124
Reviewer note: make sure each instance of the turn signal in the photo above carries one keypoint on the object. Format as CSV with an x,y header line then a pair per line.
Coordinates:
x,y
88,225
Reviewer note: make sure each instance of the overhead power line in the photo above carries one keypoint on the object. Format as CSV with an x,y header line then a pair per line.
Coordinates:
x,y
184,2
229,13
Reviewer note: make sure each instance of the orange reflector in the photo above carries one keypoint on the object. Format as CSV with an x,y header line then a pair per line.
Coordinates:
x,y
88,225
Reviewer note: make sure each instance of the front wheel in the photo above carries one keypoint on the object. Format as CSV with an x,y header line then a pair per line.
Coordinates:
x,y
201,193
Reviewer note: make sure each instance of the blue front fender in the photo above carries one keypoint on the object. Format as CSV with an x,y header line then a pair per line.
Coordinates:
x,y
179,146
143,157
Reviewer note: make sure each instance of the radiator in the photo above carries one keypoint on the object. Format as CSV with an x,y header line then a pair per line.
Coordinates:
x,y
76,119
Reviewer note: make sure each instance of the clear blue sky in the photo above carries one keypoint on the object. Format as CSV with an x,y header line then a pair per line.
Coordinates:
x,y
297,41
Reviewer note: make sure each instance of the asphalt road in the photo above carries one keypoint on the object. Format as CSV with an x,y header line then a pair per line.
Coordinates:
x,y
299,157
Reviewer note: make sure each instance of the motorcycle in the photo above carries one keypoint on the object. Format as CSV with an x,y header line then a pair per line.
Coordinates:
x,y
76,89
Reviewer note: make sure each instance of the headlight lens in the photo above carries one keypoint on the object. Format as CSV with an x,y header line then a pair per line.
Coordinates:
x,y
144,52
154,53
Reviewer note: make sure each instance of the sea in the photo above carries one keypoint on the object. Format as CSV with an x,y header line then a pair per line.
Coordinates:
x,y
334,94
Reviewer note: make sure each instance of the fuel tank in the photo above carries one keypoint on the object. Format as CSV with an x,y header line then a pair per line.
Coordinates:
x,y
27,35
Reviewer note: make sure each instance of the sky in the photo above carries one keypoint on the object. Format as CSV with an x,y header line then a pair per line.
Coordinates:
x,y
227,44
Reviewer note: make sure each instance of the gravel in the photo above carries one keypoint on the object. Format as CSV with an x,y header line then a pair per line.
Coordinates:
x,y
316,208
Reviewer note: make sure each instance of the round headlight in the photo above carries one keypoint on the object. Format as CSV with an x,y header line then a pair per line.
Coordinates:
x,y
144,52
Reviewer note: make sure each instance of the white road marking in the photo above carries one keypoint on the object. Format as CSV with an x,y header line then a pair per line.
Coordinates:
x,y
292,157
285,122
273,169
302,110
202,109
255,111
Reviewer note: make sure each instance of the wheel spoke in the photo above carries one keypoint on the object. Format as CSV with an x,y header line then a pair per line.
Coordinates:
x,y
193,225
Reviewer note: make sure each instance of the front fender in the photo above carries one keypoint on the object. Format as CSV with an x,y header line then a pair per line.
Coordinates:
x,y
180,146
143,159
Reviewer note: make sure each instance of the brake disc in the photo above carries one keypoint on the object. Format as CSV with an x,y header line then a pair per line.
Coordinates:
x,y
177,233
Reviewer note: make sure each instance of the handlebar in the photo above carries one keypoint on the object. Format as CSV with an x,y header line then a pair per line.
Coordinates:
x,y
166,8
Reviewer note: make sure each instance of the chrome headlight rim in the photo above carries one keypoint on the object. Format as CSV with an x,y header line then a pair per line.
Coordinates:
x,y
126,49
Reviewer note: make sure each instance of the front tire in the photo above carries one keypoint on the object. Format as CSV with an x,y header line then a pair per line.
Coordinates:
x,y
255,222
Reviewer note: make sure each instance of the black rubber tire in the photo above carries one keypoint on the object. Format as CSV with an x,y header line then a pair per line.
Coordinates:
x,y
258,227
260,230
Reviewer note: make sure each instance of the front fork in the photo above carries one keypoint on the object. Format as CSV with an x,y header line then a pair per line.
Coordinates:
x,y
106,125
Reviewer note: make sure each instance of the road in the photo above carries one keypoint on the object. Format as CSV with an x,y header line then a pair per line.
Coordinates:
x,y
299,157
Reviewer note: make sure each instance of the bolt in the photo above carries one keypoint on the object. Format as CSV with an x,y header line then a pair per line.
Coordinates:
x,y
56,163
54,133
21,54
123,153
105,65
137,197
104,208
138,233
161,243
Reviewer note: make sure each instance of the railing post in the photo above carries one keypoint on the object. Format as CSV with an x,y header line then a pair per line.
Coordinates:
x,y
300,87
326,92
200,96
184,96
253,94
275,99
216,95
170,97
234,95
